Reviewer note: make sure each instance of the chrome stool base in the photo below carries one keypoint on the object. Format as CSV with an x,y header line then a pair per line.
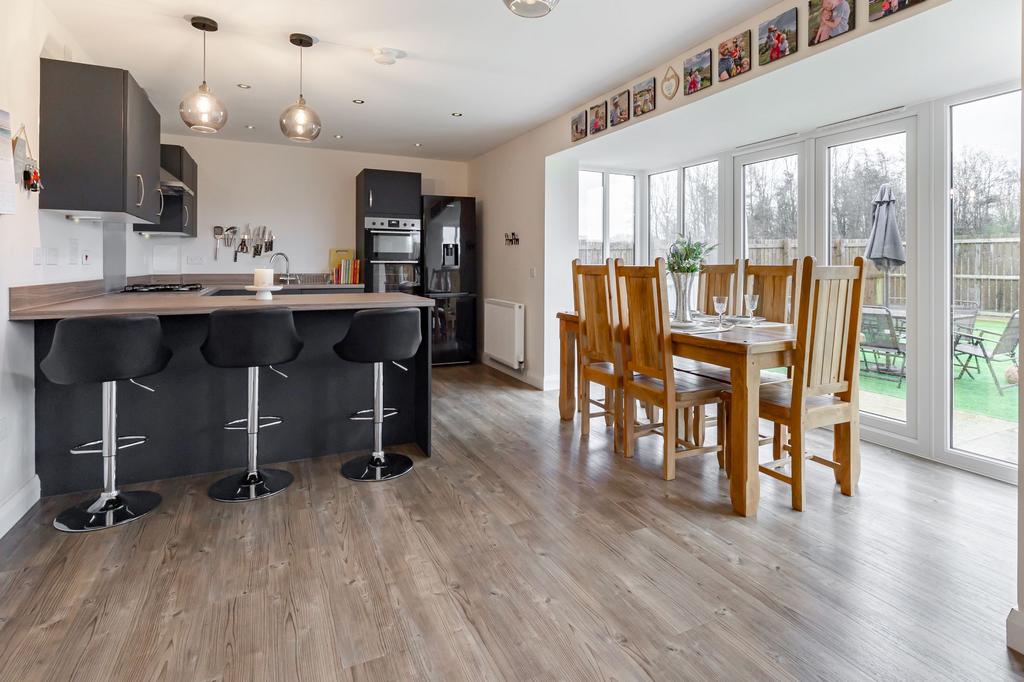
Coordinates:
x,y
367,468
107,511
245,486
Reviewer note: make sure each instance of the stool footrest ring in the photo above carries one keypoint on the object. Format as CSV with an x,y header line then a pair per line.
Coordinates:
x,y
91,449
367,415
264,423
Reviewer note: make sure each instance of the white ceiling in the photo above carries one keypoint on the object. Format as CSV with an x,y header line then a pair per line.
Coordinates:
x,y
504,73
950,50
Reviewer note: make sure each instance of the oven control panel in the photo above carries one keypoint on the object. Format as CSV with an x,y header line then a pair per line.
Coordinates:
x,y
407,224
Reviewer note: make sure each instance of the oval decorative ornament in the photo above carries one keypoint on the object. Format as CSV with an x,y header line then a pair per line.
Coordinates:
x,y
670,83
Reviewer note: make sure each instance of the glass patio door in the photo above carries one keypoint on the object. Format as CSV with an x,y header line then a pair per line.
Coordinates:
x,y
982,355
866,174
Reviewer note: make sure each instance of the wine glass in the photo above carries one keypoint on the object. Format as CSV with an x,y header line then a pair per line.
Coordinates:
x,y
721,304
751,301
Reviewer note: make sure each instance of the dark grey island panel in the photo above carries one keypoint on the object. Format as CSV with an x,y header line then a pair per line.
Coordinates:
x,y
184,419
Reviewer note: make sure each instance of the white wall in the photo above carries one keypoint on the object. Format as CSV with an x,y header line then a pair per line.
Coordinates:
x,y
306,195
28,30
509,185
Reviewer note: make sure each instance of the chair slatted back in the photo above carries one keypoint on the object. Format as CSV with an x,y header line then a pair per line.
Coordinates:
x,y
594,293
1008,340
828,329
717,280
777,285
644,319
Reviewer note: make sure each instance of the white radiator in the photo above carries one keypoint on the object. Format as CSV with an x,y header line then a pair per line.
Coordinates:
x,y
504,332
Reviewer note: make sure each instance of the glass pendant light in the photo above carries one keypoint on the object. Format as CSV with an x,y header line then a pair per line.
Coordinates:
x,y
531,9
201,110
299,122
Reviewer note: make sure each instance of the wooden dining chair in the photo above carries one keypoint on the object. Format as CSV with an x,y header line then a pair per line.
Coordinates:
x,y
824,389
649,375
717,280
778,289
599,358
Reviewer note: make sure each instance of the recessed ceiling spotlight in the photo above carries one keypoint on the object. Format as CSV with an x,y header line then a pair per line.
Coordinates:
x,y
419,144
359,101
456,114
338,137
387,55
244,86
249,127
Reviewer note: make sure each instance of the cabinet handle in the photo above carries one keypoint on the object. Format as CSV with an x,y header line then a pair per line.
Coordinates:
x,y
161,193
142,189
371,198
185,206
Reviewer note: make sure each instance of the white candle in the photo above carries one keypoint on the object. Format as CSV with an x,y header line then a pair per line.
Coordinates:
x,y
263,277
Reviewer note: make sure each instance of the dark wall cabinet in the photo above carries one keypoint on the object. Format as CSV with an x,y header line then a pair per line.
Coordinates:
x,y
99,143
179,186
389,193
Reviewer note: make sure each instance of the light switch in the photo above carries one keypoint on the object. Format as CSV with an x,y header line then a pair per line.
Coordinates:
x,y
533,273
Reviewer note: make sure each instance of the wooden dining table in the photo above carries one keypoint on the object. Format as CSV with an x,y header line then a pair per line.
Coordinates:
x,y
745,351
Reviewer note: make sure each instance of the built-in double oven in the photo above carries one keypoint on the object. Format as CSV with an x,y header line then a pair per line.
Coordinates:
x,y
392,254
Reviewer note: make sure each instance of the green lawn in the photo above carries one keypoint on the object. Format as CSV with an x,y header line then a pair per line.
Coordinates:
x,y
978,395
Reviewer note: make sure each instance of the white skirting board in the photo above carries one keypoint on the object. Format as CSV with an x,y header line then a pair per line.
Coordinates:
x,y
504,332
15,506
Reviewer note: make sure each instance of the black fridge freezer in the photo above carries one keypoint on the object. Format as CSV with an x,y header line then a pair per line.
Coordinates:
x,y
450,262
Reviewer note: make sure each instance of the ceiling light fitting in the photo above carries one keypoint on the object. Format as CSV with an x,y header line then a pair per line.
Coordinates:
x,y
387,55
359,101
531,9
243,86
456,114
299,122
201,110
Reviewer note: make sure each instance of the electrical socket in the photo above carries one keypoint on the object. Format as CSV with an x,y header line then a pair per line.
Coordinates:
x,y
72,252
194,260
533,273
52,256
87,258
37,255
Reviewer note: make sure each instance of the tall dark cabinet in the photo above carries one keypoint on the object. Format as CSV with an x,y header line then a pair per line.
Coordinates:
x,y
388,233
451,261
179,185
99,143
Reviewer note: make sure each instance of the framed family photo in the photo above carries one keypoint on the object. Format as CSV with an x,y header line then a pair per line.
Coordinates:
x,y
830,18
777,38
598,118
620,108
644,97
697,72
734,56
579,126
879,9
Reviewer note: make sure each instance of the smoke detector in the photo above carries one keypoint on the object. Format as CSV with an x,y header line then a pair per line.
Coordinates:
x,y
387,55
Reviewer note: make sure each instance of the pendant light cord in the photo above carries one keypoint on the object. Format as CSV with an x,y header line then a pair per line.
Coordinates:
x,y
300,72
204,56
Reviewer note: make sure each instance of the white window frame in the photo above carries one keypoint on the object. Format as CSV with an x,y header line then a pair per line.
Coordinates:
x,y
745,158
639,210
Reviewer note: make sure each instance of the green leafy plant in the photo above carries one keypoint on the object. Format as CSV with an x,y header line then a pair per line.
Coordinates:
x,y
686,255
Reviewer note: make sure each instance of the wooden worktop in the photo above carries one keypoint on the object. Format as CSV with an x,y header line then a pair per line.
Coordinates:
x,y
200,302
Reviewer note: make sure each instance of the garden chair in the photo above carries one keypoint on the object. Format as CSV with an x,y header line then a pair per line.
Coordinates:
x,y
970,349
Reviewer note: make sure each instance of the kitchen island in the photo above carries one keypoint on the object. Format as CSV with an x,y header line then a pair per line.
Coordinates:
x,y
184,419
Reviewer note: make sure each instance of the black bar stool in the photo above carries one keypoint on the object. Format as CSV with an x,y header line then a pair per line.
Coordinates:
x,y
106,350
251,338
379,336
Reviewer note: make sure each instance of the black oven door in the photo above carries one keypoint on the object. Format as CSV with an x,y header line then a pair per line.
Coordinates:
x,y
394,276
396,246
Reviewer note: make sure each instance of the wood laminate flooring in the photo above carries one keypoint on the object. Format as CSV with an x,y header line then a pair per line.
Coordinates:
x,y
519,553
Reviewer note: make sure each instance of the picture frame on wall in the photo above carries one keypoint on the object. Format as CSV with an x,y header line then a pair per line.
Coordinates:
x,y
619,108
697,72
880,9
734,56
778,38
579,126
670,84
828,19
645,97
598,117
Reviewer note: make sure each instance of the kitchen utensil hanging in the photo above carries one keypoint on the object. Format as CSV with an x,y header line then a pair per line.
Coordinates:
x,y
218,237
24,163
